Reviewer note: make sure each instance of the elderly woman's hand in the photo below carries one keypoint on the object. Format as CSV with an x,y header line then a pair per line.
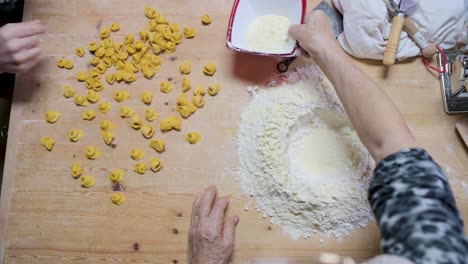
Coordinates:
x,y
211,235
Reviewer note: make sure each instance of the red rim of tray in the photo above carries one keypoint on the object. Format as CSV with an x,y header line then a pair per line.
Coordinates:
x,y
230,46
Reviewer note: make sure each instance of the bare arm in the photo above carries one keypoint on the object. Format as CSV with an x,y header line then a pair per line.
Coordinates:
x,y
377,121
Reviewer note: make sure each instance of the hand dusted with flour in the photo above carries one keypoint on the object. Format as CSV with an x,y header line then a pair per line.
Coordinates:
x,y
301,159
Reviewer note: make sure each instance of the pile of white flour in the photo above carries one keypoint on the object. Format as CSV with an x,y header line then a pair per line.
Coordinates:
x,y
301,159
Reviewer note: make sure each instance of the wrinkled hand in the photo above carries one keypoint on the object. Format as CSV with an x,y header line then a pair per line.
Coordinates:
x,y
211,235
316,35
19,46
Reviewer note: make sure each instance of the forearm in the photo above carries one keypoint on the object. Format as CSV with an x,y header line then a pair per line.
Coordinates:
x,y
376,119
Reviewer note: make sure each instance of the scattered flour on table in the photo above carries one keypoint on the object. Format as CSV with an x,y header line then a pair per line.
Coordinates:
x,y
301,159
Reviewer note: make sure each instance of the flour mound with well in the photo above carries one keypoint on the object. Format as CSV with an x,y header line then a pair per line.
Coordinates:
x,y
301,159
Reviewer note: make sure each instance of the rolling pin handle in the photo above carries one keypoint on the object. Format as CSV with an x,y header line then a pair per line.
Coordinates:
x,y
394,39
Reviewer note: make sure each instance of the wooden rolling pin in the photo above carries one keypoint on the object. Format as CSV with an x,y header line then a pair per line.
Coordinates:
x,y
394,39
427,49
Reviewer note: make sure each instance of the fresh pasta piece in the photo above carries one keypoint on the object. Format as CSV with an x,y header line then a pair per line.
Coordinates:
x,y
193,138
118,198
100,52
107,43
185,67
150,12
95,61
61,63
137,122
80,51
116,176
89,114
93,46
129,77
76,170
166,87
199,90
137,154
147,131
130,48
158,145
213,90
106,125
198,101
143,35
175,27
68,91
104,107
209,69
94,75
81,100
146,97
109,53
139,45
192,107
206,19
155,164
81,76
140,168
177,37
115,27
105,33
170,47
190,32
151,114
182,100
186,85
126,112
148,72
121,96
129,39
93,96
107,136
52,116
92,153
69,64
48,143
87,181
75,134
184,110
170,123
110,78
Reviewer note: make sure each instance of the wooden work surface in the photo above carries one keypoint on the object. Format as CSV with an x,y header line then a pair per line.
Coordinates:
x,y
46,217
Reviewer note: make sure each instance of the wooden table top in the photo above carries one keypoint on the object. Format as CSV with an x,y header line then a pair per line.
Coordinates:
x,y
46,217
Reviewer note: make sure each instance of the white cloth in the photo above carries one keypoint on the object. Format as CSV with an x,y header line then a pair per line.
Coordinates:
x,y
366,26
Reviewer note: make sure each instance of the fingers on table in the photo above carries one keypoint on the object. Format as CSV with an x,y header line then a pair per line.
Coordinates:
x,y
218,211
18,44
229,229
24,29
206,202
195,210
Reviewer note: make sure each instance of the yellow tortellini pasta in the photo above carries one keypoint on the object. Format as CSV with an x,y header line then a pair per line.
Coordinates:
x,y
87,181
104,107
81,100
206,19
48,143
69,64
118,198
140,168
155,164
185,111
173,122
209,69
106,125
213,90
170,47
89,114
147,131
137,154
81,76
92,153
177,37
52,116
117,176
185,67
126,112
148,72
146,97
166,87
182,100
93,46
190,32
185,84
61,63
151,114
121,96
175,27
198,101
129,39
95,61
193,138
75,134
68,91
158,145
105,33
80,51
137,122
76,170
199,90
93,96
115,27
107,136
110,78
150,12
